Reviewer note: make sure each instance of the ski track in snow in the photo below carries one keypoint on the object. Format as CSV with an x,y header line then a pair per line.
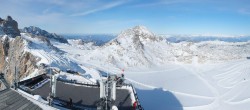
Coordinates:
x,y
221,101
216,103
180,93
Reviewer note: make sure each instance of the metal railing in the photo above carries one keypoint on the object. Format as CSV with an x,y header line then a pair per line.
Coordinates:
x,y
2,78
77,82
139,106
137,98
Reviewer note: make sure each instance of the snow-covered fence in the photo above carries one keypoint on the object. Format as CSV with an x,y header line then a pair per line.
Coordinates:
x,y
27,81
79,83
39,84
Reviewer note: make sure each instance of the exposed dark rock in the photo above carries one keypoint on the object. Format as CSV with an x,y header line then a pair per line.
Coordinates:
x,y
9,27
39,32
1,20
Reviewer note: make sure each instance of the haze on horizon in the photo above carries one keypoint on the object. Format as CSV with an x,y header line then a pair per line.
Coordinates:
x,y
224,17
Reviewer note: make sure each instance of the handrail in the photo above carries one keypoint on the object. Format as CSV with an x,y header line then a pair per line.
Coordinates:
x,y
36,85
2,78
139,106
137,98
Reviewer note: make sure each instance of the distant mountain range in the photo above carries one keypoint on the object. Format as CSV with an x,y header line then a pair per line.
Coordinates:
x,y
97,39
101,39
138,46
134,47
39,32
187,38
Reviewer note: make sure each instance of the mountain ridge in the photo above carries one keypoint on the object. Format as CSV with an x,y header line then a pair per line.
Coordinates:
x,y
40,32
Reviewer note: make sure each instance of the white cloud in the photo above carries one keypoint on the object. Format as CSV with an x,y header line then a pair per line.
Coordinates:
x,y
52,15
169,2
104,7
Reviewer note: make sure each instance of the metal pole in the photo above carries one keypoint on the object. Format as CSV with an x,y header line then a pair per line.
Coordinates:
x,y
53,86
53,80
102,89
15,85
106,87
106,95
50,81
113,93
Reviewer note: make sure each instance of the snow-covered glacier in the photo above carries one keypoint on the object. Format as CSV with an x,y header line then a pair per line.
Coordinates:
x,y
186,75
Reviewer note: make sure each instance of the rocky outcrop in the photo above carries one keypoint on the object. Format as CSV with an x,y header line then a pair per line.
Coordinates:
x,y
9,27
1,28
12,55
39,32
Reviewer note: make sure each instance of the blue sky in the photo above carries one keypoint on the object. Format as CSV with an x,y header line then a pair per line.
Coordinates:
x,y
216,17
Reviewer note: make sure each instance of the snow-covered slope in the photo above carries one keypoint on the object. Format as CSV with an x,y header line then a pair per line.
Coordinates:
x,y
211,86
221,51
81,44
209,75
138,47
48,54
133,47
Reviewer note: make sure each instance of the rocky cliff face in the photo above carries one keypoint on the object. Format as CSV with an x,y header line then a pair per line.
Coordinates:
x,y
12,52
9,27
12,55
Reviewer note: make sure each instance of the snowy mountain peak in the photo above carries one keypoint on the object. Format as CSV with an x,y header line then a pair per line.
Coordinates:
x,y
131,48
33,29
136,35
142,30
137,31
